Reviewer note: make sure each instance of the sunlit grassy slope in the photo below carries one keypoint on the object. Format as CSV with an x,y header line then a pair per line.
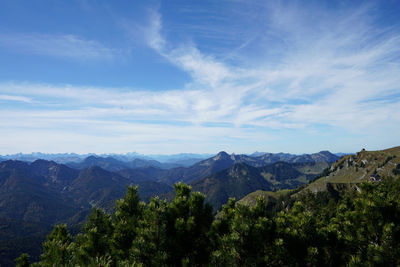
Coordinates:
x,y
270,196
363,166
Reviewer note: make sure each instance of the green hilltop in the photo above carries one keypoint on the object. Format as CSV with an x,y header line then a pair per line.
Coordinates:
x,y
269,196
351,170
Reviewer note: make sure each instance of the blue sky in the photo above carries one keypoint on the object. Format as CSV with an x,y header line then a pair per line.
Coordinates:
x,y
199,76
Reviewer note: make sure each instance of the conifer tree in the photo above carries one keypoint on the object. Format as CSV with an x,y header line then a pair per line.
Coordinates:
x,y
129,211
56,248
23,260
95,242
189,220
150,244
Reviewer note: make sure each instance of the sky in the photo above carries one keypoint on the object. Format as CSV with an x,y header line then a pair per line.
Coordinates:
x,y
165,77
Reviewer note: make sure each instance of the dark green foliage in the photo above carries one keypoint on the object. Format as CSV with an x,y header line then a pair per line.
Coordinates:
x,y
126,217
389,158
358,229
323,229
55,248
23,260
242,235
96,240
188,222
396,171
150,244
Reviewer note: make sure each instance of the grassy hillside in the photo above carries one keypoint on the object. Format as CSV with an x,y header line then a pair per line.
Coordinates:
x,y
351,170
345,174
269,196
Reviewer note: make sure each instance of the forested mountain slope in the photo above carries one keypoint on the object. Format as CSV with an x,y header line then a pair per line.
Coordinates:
x,y
242,179
35,196
237,181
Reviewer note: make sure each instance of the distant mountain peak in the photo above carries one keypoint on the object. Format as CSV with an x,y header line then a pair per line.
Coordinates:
x,y
221,155
325,152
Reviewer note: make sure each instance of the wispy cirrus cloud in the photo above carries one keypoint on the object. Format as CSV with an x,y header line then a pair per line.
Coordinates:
x,y
62,45
339,68
203,68
15,98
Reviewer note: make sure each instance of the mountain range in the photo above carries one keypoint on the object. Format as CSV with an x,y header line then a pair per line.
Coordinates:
x,y
223,161
183,159
112,164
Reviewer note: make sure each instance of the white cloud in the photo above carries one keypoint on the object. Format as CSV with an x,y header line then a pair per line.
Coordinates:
x,y
153,32
204,69
15,98
64,46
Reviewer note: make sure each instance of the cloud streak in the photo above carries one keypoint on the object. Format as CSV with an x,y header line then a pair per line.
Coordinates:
x,y
15,98
62,46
